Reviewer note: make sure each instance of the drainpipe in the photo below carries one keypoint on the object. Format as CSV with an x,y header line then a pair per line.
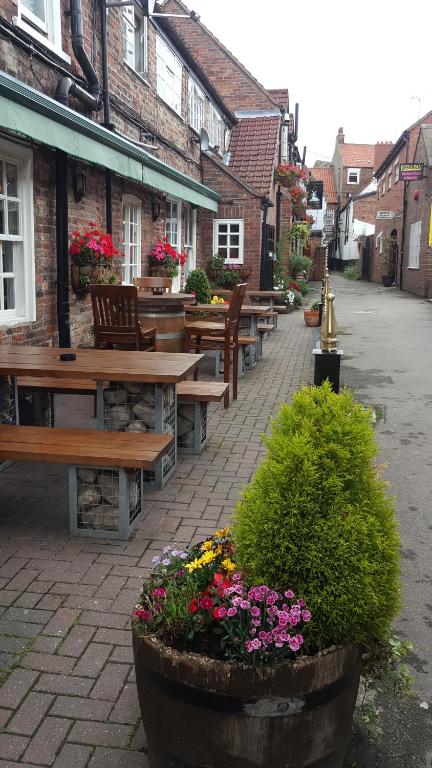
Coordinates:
x,y
67,85
404,210
278,191
62,239
263,271
107,111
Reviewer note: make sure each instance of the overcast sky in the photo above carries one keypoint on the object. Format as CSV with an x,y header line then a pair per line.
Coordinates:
x,y
355,65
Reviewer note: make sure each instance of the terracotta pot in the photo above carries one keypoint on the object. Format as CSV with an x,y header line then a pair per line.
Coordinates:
x,y
311,317
197,711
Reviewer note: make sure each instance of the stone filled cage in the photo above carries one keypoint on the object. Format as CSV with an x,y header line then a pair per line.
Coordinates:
x,y
104,501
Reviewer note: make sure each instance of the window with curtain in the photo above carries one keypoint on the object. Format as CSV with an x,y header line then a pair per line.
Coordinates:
x,y
131,239
414,245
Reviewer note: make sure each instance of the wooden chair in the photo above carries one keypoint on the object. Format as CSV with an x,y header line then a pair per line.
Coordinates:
x,y
201,336
148,283
116,324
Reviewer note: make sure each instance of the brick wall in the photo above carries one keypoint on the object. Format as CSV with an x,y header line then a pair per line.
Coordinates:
x,y
364,209
419,281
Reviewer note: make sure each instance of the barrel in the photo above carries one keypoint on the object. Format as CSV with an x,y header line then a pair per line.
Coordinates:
x,y
169,320
225,715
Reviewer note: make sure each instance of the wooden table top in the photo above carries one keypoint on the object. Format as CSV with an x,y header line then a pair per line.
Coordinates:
x,y
97,364
148,297
260,294
218,309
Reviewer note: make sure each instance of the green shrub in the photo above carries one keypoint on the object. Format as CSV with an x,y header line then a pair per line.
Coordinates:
x,y
304,287
316,518
197,282
352,271
228,279
299,263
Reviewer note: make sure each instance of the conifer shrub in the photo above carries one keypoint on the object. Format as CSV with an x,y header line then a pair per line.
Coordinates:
x,y
316,516
197,282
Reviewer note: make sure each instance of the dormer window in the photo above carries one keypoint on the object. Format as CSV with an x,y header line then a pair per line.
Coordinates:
x,y
353,176
135,39
196,106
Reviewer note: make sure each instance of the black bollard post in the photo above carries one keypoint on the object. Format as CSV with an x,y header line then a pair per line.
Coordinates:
x,y
327,366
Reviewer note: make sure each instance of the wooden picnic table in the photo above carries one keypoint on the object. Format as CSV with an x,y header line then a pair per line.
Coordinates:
x,y
249,316
141,391
270,296
166,313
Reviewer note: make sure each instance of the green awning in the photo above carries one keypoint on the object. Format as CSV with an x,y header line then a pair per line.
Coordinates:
x,y
27,112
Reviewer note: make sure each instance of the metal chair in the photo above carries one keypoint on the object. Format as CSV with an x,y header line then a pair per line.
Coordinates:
x,y
201,336
148,283
115,314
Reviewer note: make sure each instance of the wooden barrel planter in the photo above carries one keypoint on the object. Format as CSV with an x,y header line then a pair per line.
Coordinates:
x,y
168,318
197,711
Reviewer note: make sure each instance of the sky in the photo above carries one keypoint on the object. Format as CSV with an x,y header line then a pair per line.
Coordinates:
x,y
364,66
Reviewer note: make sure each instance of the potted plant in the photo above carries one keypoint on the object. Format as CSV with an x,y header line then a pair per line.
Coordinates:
x,y
289,175
248,647
215,266
94,259
228,278
389,258
197,283
165,260
311,315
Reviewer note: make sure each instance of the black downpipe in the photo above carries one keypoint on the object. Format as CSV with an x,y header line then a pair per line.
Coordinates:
x,y
264,253
79,50
107,112
404,210
66,86
62,237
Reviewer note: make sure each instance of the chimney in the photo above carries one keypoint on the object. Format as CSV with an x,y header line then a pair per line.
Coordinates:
x,y
340,138
382,149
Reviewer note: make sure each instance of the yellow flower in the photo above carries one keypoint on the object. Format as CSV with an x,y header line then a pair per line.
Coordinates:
x,y
207,557
207,545
193,565
228,565
222,533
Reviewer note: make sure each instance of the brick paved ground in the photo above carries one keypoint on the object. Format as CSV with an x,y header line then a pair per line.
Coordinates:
x,y
68,696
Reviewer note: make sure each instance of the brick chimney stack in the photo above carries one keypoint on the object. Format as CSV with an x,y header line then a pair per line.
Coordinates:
x,y
382,149
340,138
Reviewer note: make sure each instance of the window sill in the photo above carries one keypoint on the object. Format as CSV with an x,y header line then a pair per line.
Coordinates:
x,y
414,269
13,322
174,111
41,39
137,74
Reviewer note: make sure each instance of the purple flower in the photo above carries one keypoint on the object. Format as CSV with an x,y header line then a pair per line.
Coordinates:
x,y
306,615
236,601
249,646
245,604
272,598
231,612
301,602
294,643
237,576
156,560
256,622
289,594
238,589
166,561
256,643
255,611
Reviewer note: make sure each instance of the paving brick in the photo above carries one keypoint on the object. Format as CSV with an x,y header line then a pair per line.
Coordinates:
x,y
5,715
92,660
77,640
50,602
101,734
66,684
88,603
73,756
16,687
60,588
32,615
6,660
23,579
27,600
11,746
45,662
127,708
95,619
139,741
8,597
113,758
125,601
110,682
61,622
13,644
46,742
96,574
116,636
122,654
80,708
11,567
46,644
110,587
30,714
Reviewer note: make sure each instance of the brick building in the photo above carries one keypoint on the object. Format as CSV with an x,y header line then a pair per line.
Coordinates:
x,y
126,130
356,222
324,172
390,201
252,211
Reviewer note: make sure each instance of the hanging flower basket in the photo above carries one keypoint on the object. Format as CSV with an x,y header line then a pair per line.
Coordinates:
x,y
289,175
94,259
164,260
83,277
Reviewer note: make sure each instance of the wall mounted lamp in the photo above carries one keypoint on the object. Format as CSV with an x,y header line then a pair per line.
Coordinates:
x,y
155,208
79,183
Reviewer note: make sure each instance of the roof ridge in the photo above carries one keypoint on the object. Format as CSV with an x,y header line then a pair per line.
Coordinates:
x,y
224,49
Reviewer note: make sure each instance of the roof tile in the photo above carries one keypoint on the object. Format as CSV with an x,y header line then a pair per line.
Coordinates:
x,y
253,149
358,155
326,175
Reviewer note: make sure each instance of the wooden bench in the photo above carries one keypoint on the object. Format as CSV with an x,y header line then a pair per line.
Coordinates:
x,y
43,407
271,315
281,309
105,471
247,356
192,401
262,329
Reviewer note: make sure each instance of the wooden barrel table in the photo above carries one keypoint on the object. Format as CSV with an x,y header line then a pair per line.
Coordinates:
x,y
166,313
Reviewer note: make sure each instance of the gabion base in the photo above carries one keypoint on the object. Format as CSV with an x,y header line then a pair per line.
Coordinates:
x,y
104,502
8,408
191,427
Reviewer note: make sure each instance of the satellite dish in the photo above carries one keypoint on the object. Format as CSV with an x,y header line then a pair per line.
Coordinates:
x,y
148,7
204,140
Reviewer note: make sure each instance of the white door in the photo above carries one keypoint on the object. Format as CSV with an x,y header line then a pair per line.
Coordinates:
x,y
173,232
189,239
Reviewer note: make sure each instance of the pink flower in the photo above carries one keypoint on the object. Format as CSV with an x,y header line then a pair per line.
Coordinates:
x,y
231,612
289,594
159,592
206,603
255,611
142,614
306,615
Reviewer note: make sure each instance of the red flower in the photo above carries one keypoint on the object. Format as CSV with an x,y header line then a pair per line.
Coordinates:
x,y
219,613
206,603
193,605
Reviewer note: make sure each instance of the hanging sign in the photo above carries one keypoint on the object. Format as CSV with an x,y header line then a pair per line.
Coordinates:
x,y
315,191
385,214
411,171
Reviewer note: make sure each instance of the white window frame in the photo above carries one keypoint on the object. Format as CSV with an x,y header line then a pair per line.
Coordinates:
x,y
196,106
189,223
214,126
131,267
389,179
175,242
48,33
352,171
379,242
129,39
25,293
169,75
396,170
285,143
217,248
414,245
383,185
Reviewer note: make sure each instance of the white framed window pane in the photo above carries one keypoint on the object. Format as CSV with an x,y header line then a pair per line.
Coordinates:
x,y
131,241
414,245
9,293
13,218
11,180
36,7
223,240
2,218
223,227
169,75
234,240
228,239
2,187
7,264
128,38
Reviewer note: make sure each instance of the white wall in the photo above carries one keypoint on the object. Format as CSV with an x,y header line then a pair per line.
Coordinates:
x,y
349,232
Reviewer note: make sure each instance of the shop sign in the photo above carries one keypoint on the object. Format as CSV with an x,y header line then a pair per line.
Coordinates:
x,y
411,171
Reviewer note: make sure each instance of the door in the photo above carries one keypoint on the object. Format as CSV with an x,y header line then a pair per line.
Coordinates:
x,y
189,216
173,232
267,257
366,260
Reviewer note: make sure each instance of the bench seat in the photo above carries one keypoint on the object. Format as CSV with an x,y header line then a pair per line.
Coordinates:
x,y
192,401
67,386
201,391
105,471
265,327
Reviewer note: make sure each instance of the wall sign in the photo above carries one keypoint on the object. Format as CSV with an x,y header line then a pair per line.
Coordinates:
x,y
385,214
315,191
411,171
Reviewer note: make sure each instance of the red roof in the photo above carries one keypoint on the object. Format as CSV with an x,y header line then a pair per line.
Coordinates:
x,y
253,148
357,155
326,175
279,95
